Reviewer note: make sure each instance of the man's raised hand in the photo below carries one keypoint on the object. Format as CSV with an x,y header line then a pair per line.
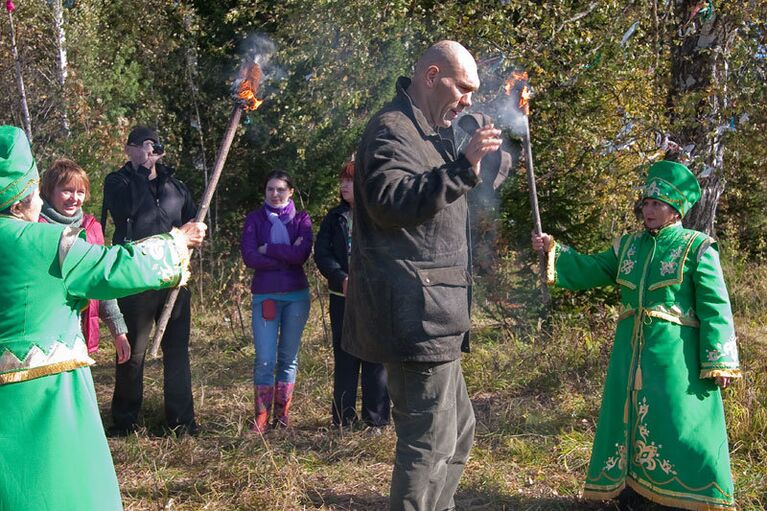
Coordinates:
x,y
483,142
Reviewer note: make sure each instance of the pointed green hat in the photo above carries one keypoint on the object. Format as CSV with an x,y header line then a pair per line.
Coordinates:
x,y
18,170
672,183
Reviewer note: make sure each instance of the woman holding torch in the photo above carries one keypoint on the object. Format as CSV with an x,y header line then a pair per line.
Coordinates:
x,y
53,451
661,429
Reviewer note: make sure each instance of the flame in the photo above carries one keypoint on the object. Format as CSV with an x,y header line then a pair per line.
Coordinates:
x,y
249,79
513,82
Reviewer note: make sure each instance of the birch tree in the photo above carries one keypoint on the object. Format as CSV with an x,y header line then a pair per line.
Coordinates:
x,y
61,60
698,99
10,7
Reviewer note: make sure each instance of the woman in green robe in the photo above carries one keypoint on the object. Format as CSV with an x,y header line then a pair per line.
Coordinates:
x,y
661,429
53,452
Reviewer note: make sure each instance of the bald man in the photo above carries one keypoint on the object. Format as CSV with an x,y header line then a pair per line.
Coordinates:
x,y
410,272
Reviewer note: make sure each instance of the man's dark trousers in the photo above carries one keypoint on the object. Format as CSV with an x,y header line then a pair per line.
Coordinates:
x,y
434,421
141,311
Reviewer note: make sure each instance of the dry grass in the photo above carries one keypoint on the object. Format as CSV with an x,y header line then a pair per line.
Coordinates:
x,y
535,389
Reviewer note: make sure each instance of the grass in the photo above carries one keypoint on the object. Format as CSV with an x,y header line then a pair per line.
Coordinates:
x,y
535,386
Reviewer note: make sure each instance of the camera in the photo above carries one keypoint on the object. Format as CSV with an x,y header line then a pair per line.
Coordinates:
x,y
158,148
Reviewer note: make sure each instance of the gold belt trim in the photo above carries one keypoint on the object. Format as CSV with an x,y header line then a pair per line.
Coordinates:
x,y
39,372
666,315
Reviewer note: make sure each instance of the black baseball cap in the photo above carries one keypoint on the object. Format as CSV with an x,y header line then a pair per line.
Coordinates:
x,y
139,134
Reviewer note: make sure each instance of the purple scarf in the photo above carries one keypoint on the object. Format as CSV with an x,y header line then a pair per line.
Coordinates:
x,y
279,217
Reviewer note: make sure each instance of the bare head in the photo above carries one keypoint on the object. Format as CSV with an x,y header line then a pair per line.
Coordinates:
x,y
445,76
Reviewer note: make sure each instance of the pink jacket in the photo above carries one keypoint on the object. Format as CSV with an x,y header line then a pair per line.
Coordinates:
x,y
90,317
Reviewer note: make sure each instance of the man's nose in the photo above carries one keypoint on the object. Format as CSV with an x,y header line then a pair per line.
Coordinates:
x,y
466,100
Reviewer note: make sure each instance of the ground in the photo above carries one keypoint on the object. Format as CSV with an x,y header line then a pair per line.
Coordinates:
x,y
535,387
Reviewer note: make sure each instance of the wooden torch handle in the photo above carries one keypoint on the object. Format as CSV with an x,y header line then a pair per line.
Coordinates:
x,y
202,211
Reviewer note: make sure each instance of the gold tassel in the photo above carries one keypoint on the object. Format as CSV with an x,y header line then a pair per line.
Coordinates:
x,y
638,378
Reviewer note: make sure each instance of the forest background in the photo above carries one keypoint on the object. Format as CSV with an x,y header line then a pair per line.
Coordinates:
x,y
615,85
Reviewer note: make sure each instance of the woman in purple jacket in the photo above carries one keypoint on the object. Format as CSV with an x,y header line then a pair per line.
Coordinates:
x,y
276,242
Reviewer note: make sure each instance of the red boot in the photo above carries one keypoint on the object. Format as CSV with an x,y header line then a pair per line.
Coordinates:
x,y
263,396
283,398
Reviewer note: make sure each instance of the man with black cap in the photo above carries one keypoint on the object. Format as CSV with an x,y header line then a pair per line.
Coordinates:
x,y
145,199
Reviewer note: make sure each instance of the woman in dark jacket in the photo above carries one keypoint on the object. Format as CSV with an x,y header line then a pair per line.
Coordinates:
x,y
331,253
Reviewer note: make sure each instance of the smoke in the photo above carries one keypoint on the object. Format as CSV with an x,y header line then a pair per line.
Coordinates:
x,y
506,110
508,116
259,49
500,105
484,199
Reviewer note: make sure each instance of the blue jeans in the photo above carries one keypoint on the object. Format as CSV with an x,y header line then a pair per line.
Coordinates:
x,y
277,341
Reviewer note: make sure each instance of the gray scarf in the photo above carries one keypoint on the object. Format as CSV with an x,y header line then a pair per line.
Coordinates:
x,y
54,217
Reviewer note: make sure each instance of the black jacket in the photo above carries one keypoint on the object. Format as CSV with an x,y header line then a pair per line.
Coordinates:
x,y
409,274
140,209
330,250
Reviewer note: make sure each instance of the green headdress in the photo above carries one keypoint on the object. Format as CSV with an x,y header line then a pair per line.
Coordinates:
x,y
672,183
18,170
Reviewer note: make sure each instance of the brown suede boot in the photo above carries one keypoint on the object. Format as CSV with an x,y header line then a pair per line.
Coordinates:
x,y
262,396
283,398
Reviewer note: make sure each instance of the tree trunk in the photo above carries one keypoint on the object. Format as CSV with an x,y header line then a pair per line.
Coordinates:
x,y
61,61
20,81
698,101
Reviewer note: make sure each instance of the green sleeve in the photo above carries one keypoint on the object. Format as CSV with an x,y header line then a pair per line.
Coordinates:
x,y
103,273
571,270
718,349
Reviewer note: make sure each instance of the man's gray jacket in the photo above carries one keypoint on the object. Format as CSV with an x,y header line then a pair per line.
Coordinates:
x,y
409,276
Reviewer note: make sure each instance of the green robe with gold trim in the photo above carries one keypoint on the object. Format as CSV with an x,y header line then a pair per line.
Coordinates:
x,y
53,452
661,426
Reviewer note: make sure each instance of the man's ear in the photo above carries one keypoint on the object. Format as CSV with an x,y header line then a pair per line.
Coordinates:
x,y
17,209
431,74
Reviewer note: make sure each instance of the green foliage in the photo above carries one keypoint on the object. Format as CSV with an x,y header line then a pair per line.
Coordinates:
x,y
535,392
600,102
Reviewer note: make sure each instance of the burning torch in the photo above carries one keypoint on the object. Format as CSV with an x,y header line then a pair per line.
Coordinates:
x,y
518,112
244,92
